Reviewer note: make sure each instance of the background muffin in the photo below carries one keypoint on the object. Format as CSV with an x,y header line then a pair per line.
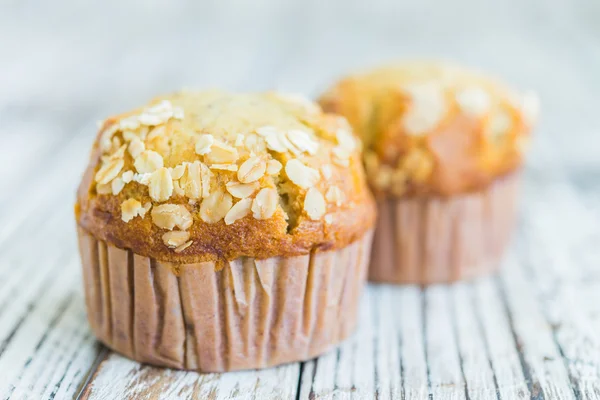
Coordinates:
x,y
442,149
224,231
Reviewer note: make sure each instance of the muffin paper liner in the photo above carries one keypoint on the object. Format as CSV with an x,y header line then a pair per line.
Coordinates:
x,y
249,314
436,240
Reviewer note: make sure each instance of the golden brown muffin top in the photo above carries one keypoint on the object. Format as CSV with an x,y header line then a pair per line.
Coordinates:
x,y
215,176
433,128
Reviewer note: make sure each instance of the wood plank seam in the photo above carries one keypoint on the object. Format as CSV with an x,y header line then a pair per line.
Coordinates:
x,y
534,386
58,384
299,385
458,350
374,311
424,332
84,390
574,381
479,322
401,362
30,307
59,313
524,240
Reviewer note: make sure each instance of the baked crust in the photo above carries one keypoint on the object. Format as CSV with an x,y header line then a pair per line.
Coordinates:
x,y
123,212
433,128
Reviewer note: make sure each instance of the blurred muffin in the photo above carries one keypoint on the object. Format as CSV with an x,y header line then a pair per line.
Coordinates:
x,y
224,231
443,147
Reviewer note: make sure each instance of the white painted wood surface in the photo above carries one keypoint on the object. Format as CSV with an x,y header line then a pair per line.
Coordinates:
x,y
533,331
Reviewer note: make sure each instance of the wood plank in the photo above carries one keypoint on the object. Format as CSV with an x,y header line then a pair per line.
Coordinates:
x,y
23,272
446,379
62,357
318,376
500,344
23,147
119,378
549,262
54,181
354,375
46,347
387,343
347,372
474,357
410,323
45,338
386,352
540,358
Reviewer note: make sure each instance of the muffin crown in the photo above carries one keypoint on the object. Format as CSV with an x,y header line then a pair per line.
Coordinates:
x,y
434,128
198,176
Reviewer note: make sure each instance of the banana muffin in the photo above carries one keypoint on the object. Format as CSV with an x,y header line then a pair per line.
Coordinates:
x,y
443,150
224,231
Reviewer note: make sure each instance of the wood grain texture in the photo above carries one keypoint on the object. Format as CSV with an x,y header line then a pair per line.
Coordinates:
x,y
474,355
446,375
530,332
541,360
496,331
559,285
121,378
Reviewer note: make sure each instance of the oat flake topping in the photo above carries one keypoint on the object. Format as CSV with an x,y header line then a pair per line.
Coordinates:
x,y
189,164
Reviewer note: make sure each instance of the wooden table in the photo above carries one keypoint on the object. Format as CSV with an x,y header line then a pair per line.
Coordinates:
x,y
533,331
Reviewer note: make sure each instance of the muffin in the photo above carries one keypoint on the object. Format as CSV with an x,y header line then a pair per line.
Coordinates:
x,y
224,231
443,150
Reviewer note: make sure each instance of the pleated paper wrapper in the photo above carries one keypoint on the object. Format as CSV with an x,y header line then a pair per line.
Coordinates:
x,y
438,240
249,314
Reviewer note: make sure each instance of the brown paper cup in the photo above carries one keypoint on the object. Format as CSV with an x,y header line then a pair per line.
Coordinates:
x,y
437,240
249,314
